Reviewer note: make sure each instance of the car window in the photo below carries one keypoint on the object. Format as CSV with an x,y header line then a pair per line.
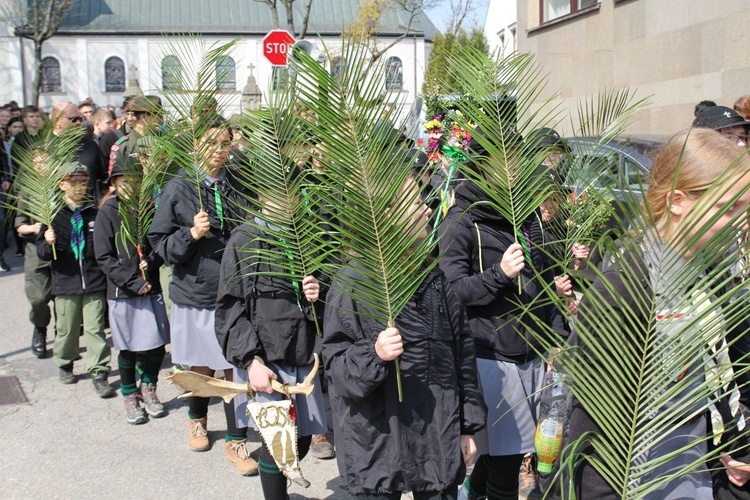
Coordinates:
x,y
634,175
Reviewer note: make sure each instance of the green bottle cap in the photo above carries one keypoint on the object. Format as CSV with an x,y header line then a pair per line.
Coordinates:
x,y
543,468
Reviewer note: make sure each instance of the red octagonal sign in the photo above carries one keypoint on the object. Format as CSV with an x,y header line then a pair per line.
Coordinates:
x,y
276,46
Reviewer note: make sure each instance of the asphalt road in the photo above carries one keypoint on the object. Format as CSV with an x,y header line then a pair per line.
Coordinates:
x,y
66,442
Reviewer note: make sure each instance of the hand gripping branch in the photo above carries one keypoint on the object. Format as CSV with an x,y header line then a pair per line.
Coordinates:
x,y
204,386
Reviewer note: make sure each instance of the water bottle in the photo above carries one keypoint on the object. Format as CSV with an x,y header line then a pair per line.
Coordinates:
x,y
548,438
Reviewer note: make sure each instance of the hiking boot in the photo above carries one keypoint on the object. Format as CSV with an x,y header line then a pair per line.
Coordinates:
x,y
198,435
39,342
527,480
133,411
66,374
101,386
321,448
151,402
237,454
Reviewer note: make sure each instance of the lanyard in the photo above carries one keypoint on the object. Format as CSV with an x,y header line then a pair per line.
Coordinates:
x,y
77,240
219,203
525,239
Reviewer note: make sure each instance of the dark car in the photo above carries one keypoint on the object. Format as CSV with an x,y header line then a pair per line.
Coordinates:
x,y
617,166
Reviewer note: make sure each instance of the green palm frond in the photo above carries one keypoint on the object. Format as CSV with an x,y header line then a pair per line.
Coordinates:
x,y
41,168
194,97
295,243
649,335
365,177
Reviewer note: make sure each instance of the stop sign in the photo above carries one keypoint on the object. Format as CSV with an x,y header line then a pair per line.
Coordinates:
x,y
276,46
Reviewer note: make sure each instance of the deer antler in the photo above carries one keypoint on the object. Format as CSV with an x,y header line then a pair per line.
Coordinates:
x,y
204,386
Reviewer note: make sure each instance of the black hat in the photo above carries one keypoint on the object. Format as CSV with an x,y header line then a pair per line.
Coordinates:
x,y
718,117
476,150
124,165
75,171
415,158
543,138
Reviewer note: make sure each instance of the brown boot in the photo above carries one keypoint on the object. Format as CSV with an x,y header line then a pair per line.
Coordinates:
x,y
198,436
237,454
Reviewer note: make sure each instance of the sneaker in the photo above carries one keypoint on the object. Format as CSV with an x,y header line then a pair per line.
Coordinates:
x,y
151,402
321,448
237,454
66,374
102,387
133,411
527,481
198,436
4,267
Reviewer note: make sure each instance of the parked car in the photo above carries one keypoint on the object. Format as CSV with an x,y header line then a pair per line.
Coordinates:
x,y
618,166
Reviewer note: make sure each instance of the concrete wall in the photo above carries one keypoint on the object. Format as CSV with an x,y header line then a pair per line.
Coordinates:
x,y
82,66
678,51
501,21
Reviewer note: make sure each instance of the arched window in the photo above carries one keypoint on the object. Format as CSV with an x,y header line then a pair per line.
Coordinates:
x,y
338,65
171,73
394,77
226,76
51,81
279,76
114,75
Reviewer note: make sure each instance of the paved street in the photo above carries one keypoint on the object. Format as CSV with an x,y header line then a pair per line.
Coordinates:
x,y
68,443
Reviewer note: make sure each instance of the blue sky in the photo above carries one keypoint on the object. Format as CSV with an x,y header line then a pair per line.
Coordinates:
x,y
442,13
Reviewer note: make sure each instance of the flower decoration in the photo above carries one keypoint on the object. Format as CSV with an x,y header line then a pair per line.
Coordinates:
x,y
434,130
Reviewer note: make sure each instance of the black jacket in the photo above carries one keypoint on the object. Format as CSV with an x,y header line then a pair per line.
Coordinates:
x,y
195,278
258,315
119,259
490,296
106,141
383,446
69,276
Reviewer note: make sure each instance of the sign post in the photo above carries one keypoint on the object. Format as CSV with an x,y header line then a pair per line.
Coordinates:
x,y
276,46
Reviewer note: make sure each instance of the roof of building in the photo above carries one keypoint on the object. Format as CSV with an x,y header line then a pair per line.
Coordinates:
x,y
225,17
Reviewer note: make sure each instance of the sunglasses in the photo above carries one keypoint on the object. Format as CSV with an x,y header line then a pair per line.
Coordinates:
x,y
74,119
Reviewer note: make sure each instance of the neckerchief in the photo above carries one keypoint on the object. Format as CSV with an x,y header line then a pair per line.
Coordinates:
x,y
296,284
77,239
524,238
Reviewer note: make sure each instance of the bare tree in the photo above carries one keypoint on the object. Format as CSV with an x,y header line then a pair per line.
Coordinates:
x,y
460,9
289,8
38,21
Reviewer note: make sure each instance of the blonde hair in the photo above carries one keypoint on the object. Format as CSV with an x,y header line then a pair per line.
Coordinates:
x,y
691,161
742,106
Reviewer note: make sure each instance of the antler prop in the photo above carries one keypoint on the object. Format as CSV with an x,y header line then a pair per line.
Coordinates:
x,y
204,386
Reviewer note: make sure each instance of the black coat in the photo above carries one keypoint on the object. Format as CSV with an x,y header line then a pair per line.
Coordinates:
x,y
258,315
69,276
383,446
196,263
119,259
490,296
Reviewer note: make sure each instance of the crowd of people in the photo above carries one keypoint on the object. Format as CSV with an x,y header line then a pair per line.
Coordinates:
x,y
474,383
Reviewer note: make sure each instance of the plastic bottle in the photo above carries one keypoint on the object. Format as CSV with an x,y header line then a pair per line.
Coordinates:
x,y
548,438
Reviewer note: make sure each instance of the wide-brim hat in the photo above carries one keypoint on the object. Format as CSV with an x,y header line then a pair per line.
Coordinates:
x,y
75,171
125,165
719,117
146,104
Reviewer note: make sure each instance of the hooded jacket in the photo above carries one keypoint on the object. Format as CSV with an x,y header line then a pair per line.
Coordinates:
x,y
71,276
383,445
258,314
196,263
491,297
119,259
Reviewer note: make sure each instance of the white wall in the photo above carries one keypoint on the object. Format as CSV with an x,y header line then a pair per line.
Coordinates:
x,y
501,16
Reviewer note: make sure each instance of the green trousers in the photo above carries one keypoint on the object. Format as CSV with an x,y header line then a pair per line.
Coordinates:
x,y
38,287
70,311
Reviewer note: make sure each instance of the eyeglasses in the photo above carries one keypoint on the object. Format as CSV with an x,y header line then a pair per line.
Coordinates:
x,y
736,137
74,119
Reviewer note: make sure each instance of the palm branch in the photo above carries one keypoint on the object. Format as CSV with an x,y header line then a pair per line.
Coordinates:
x,y
147,175
364,175
642,368
41,168
294,243
195,99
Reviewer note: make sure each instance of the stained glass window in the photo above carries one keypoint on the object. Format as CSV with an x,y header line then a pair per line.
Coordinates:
x,y
114,75
51,81
226,76
171,73
394,78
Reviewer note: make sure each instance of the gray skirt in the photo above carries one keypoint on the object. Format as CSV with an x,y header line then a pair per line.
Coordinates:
x,y
511,393
138,323
311,410
194,339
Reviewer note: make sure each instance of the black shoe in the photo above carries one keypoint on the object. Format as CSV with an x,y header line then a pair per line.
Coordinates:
x,y
39,342
4,267
66,375
102,387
